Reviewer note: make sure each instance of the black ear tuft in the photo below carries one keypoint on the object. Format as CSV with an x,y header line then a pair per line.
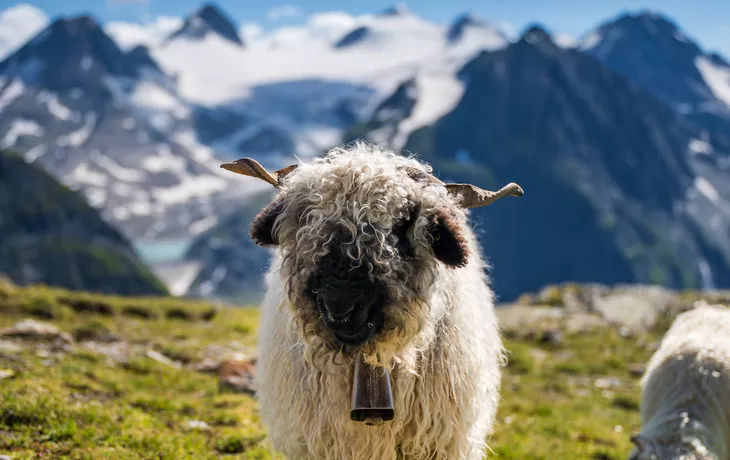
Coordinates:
x,y
263,225
449,245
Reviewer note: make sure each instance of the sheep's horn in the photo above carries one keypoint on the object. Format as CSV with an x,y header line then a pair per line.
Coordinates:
x,y
471,195
252,168
475,197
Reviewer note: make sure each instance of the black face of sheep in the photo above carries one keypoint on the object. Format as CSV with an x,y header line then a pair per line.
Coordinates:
x,y
351,294
350,300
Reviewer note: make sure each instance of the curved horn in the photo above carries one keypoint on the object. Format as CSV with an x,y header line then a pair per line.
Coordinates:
x,y
471,195
252,168
475,197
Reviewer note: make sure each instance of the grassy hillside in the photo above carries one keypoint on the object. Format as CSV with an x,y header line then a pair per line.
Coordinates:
x,y
106,390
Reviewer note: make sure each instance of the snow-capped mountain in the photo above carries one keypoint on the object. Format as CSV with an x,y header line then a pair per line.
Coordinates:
x,y
297,95
208,20
657,55
619,196
135,128
111,124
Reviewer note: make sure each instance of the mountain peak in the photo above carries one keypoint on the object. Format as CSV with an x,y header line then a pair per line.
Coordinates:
x,y
399,9
537,35
208,19
653,52
70,51
463,22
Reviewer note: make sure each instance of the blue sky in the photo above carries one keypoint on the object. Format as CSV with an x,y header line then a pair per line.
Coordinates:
x,y
708,21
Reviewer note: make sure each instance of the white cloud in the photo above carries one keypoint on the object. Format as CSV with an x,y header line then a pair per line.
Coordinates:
x,y
324,27
284,11
18,24
508,29
129,34
251,32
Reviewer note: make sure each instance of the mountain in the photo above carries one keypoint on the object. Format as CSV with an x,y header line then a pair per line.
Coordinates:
x,y
616,196
111,124
281,97
231,266
655,54
207,20
51,235
469,27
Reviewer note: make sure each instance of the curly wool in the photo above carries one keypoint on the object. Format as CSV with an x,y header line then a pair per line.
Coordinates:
x,y
440,339
685,408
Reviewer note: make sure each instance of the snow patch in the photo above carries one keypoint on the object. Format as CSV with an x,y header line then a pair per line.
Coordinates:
x,y
205,224
716,76
116,170
96,197
83,174
56,109
129,123
34,153
591,41
20,127
11,92
128,35
437,95
147,95
395,48
80,136
164,161
86,63
706,188
565,40
700,147
189,187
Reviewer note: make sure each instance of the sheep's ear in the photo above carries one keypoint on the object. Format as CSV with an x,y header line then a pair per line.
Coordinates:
x,y
262,228
449,245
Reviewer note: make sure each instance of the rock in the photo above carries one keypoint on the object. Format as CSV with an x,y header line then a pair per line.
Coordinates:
x,y
237,376
637,308
160,358
583,323
607,382
6,374
5,457
30,329
211,358
197,425
115,352
9,347
636,369
551,337
583,297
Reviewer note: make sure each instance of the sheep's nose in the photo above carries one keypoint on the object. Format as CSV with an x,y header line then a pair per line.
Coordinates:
x,y
337,306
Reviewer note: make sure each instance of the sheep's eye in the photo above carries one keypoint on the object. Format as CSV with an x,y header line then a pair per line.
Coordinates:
x,y
437,236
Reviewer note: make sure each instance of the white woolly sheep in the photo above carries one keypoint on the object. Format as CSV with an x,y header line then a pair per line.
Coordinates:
x,y
685,406
375,256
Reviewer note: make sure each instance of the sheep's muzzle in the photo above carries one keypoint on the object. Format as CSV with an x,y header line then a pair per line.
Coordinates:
x,y
372,398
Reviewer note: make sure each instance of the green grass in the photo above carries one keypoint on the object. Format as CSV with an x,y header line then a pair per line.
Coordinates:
x,y
77,405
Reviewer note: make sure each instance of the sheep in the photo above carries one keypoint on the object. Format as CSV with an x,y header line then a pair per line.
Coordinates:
x,y
685,405
374,257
